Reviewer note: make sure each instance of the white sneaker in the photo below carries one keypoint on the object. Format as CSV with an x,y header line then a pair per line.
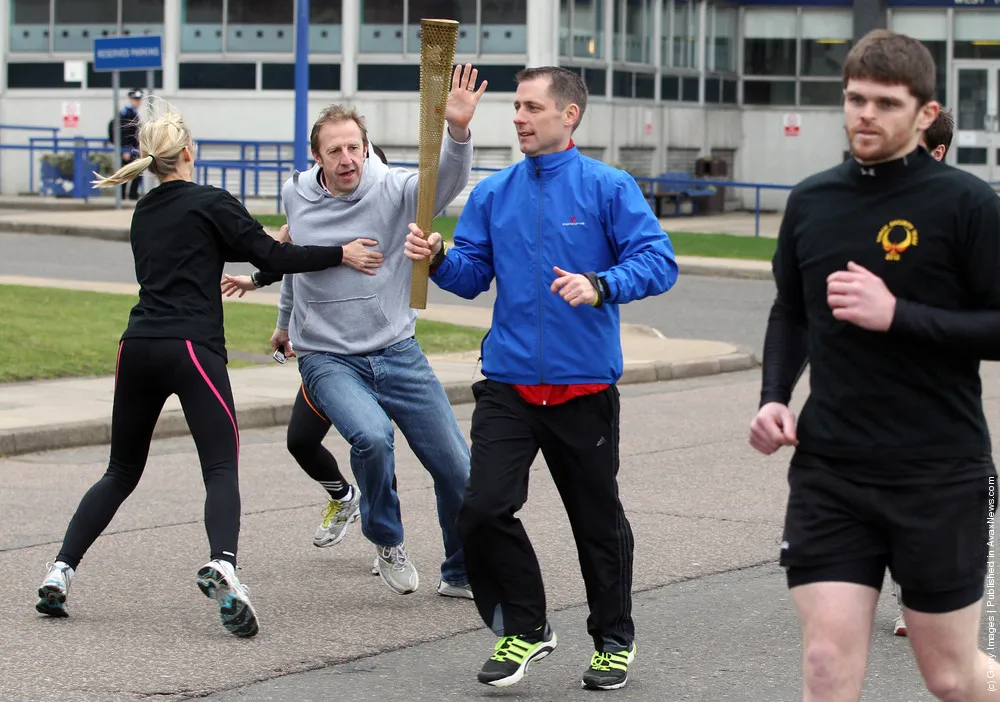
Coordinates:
x,y
396,569
375,566
217,580
336,518
55,587
446,589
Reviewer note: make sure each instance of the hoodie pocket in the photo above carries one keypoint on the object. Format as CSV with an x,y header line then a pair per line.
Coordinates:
x,y
352,322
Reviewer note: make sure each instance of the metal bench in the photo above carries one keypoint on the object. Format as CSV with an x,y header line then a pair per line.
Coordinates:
x,y
678,187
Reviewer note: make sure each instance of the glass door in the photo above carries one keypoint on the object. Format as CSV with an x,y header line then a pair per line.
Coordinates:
x,y
976,146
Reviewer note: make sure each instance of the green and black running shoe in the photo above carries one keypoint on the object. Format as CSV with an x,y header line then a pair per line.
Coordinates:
x,y
512,655
608,671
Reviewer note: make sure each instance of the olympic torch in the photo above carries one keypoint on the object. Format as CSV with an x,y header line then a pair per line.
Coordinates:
x,y
437,56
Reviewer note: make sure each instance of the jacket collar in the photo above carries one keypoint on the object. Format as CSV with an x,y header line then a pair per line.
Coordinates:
x,y
549,163
891,170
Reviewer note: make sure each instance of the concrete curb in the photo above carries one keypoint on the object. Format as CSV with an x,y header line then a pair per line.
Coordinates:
x,y
722,271
261,416
107,233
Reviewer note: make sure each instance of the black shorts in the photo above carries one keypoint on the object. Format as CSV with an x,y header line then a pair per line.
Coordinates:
x,y
933,538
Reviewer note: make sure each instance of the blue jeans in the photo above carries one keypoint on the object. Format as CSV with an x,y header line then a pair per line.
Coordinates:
x,y
362,396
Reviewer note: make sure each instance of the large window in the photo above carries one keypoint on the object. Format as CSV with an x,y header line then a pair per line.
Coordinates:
x,y
581,29
201,25
499,29
74,24
931,28
769,42
684,29
325,21
633,29
504,24
462,11
30,25
257,26
769,56
252,26
826,39
723,42
977,34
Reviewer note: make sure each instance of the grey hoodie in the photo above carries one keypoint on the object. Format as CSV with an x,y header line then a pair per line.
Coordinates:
x,y
341,310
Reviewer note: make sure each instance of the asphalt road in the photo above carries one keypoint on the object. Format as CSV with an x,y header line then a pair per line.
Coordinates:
x,y
697,307
712,614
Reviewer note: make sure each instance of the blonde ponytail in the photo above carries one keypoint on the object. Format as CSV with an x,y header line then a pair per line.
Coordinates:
x,y
162,140
129,171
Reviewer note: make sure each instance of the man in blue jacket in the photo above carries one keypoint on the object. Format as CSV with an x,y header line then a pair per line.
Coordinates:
x,y
568,239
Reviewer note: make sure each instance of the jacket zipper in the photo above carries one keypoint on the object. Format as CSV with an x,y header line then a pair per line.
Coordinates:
x,y
538,250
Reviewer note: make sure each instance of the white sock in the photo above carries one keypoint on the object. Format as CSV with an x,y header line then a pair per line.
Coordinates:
x,y
350,494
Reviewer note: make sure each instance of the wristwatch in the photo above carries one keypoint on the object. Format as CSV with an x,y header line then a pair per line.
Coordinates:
x,y
439,257
254,280
605,289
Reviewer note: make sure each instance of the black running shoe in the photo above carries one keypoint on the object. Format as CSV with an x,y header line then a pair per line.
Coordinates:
x,y
608,671
512,656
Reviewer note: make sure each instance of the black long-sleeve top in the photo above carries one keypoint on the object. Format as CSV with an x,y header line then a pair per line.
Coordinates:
x,y
912,393
182,236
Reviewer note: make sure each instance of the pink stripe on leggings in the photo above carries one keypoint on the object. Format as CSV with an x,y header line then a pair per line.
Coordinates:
x,y
217,396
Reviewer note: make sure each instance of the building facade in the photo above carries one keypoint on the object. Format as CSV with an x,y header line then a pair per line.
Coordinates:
x,y
755,84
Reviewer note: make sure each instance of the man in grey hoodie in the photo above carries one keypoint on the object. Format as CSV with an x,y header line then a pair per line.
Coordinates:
x,y
354,333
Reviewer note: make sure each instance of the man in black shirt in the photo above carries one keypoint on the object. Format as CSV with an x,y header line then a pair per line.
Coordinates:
x,y
886,273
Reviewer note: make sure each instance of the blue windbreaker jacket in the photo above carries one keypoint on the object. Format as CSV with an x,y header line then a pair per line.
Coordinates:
x,y
564,210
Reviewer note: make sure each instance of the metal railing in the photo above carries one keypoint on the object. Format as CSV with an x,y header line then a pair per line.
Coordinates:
x,y
24,128
250,166
676,187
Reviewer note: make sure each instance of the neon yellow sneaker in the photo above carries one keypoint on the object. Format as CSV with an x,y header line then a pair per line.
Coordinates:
x,y
608,670
512,655
336,517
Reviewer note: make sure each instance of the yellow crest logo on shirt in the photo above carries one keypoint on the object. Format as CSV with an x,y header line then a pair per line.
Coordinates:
x,y
896,237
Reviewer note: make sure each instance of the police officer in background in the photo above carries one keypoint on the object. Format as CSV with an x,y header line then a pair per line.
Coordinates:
x,y
129,120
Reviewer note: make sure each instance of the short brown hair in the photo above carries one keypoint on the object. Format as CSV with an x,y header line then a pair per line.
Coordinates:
x,y
893,59
566,87
941,131
333,115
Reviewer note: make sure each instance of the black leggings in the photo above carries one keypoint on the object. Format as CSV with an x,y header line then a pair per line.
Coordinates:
x,y
148,372
307,427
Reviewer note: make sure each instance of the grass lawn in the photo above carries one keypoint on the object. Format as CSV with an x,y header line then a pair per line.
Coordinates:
x,y
685,243
52,333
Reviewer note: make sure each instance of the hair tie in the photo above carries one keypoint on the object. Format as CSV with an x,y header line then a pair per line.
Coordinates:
x,y
152,158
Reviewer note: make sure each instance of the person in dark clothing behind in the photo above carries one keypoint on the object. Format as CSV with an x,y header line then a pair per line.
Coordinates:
x,y
128,118
552,360
886,275
308,426
181,235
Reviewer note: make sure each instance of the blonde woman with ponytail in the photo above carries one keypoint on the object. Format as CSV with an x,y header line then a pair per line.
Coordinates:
x,y
182,235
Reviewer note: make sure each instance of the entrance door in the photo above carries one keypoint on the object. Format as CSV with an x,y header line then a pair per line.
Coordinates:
x,y
976,146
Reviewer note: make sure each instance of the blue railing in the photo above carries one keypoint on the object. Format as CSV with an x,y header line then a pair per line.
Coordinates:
x,y
243,167
25,128
250,165
246,147
699,187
